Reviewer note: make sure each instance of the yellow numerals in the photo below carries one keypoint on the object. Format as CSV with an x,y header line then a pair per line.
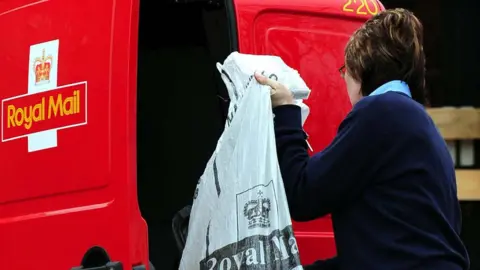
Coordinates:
x,y
362,8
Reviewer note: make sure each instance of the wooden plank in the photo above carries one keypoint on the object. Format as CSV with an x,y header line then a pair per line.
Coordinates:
x,y
457,123
468,184
460,124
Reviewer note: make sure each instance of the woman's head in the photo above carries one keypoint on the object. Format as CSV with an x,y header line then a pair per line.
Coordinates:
x,y
388,47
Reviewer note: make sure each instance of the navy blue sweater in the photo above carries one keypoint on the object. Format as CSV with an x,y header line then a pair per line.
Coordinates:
x,y
387,179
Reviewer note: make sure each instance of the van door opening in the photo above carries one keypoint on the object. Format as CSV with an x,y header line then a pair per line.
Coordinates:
x,y
181,103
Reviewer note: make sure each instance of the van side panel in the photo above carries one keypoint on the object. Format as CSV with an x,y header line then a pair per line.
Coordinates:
x,y
66,174
310,36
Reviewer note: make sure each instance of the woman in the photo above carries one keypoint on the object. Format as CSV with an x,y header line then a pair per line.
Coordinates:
x,y
387,178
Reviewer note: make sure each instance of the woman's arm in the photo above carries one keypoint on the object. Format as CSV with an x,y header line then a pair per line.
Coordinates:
x,y
317,185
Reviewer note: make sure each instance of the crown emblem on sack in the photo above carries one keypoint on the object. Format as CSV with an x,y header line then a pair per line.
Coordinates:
x,y
42,66
256,211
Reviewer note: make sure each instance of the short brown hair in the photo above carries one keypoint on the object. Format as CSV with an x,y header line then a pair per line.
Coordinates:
x,y
388,47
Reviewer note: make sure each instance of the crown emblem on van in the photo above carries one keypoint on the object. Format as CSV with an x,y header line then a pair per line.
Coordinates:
x,y
42,67
257,212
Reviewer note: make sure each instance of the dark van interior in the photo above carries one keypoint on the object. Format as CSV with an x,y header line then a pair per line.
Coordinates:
x,y
182,105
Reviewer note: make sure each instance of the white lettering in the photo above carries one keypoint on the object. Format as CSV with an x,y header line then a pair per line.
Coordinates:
x,y
280,246
262,253
252,256
214,263
228,263
238,259
293,245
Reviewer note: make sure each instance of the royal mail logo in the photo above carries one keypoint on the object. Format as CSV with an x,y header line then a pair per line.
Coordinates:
x,y
59,108
46,107
256,208
42,67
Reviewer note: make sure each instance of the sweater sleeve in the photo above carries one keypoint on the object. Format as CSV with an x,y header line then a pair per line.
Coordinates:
x,y
317,185
329,264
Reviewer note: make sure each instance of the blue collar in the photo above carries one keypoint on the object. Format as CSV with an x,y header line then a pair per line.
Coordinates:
x,y
393,86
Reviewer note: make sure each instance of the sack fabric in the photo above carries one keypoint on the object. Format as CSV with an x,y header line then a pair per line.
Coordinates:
x,y
240,217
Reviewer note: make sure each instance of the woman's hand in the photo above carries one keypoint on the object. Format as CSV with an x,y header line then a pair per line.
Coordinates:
x,y
279,93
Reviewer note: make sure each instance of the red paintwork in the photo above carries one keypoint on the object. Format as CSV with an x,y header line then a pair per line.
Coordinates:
x,y
56,203
310,36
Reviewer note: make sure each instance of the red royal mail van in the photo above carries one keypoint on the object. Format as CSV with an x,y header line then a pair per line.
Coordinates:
x,y
111,109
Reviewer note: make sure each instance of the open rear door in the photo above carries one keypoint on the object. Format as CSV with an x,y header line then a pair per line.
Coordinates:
x,y
310,36
67,129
